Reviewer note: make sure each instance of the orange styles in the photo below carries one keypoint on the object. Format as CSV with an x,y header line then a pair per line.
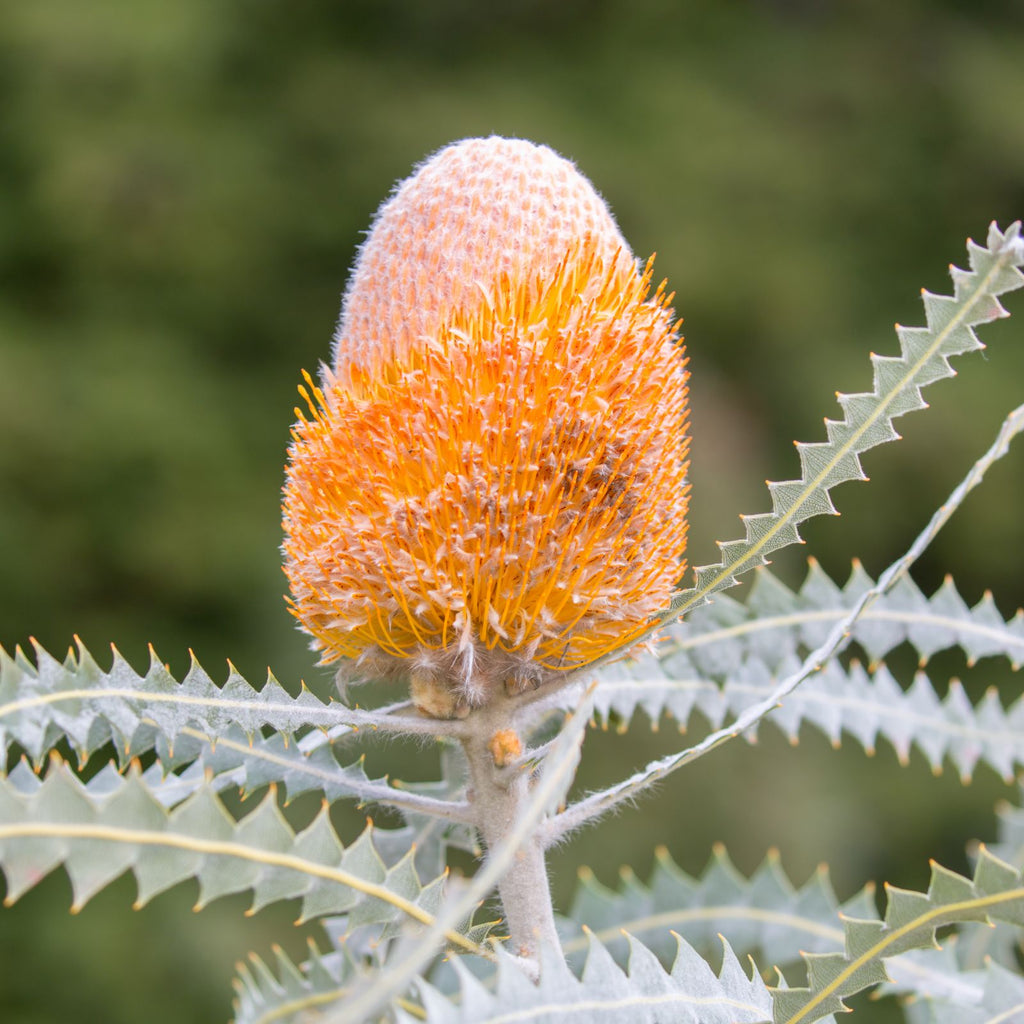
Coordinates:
x,y
489,489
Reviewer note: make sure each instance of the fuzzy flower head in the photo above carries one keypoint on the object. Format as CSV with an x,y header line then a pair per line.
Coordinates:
x,y
489,488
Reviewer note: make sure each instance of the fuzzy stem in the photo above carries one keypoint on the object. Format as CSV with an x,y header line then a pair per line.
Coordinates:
x,y
497,797
552,782
838,639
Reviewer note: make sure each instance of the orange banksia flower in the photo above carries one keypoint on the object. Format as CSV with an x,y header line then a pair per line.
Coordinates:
x,y
489,488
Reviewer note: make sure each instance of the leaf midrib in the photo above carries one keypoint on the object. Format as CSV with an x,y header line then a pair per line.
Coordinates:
x,y
217,847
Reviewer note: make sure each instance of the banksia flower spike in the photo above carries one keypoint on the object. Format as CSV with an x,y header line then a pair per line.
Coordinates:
x,y
489,488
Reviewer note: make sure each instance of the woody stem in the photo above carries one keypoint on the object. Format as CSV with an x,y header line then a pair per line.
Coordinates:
x,y
496,798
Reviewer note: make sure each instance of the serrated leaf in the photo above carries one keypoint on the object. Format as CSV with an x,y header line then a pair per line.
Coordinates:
x,y
729,656
867,417
994,995
1010,844
936,975
775,625
97,838
78,701
872,707
764,914
838,638
691,993
838,701
774,621
285,992
437,810
208,736
43,703
995,893
288,992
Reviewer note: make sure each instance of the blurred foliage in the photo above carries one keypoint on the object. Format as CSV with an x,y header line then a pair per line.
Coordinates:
x,y
182,186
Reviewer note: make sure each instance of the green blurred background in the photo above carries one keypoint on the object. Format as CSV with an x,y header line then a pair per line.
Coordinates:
x,y
182,185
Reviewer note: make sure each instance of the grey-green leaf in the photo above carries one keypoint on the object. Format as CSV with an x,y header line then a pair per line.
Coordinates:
x,y
691,993
934,975
99,837
765,915
995,893
288,993
868,418
774,622
994,995
729,656
43,703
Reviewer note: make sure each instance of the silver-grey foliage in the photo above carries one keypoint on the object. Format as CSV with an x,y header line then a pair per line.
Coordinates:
x,y
287,992
643,952
868,417
98,837
690,993
727,656
764,916
994,893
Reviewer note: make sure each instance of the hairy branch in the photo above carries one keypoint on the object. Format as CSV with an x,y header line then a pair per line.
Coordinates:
x,y
555,778
598,803
329,780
